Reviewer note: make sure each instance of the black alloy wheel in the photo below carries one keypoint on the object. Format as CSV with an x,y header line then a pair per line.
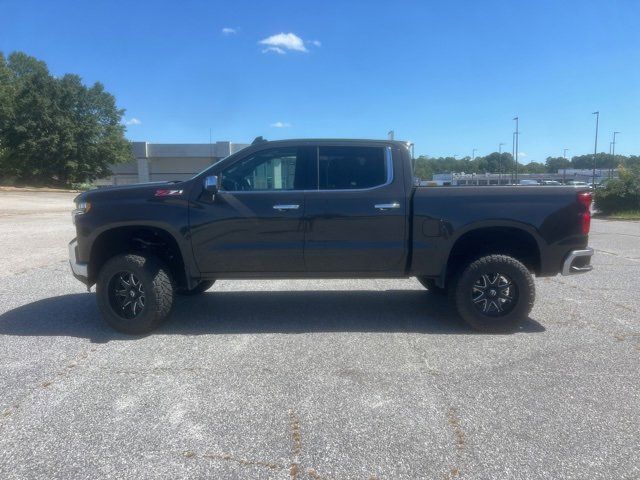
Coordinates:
x,y
494,294
126,295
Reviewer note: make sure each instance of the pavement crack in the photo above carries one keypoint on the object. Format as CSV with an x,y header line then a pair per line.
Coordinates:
x,y
460,442
454,421
296,470
296,437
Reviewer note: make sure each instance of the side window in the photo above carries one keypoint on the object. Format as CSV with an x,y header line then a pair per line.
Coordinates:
x,y
342,168
272,169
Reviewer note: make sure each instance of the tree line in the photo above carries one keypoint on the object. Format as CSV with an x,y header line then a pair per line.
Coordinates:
x,y
426,166
56,130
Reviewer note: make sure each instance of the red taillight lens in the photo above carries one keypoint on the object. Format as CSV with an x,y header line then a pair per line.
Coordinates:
x,y
584,199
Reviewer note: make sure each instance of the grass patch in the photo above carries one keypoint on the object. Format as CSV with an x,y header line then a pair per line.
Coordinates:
x,y
625,215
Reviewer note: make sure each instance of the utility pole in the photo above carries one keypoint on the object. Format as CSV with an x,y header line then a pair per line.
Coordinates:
x,y
613,152
390,135
500,163
517,134
610,156
595,150
564,172
513,151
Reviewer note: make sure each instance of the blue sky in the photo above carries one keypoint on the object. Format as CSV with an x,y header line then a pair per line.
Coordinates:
x,y
448,75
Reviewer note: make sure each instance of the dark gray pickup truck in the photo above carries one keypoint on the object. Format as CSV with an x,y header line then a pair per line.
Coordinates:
x,y
325,209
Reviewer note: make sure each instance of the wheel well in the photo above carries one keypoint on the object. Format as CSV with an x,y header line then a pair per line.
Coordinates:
x,y
130,239
510,241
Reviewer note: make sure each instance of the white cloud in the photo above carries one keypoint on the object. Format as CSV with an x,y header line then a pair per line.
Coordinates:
x,y
283,41
229,31
316,43
280,125
522,154
132,121
274,50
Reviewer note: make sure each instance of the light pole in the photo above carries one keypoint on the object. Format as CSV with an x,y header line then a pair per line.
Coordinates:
x,y
564,172
517,134
595,150
500,163
613,154
473,154
513,151
610,146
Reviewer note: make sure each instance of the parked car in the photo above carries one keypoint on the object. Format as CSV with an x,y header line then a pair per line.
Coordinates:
x,y
577,183
528,182
325,209
551,183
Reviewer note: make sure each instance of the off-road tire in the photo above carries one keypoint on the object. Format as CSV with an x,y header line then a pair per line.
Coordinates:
x,y
158,292
462,293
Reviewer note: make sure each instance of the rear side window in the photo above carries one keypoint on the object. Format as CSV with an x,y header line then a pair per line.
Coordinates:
x,y
343,168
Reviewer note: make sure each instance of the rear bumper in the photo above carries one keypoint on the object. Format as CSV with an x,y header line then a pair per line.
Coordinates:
x,y
80,270
578,261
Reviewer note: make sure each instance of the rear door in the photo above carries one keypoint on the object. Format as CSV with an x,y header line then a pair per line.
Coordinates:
x,y
356,216
255,224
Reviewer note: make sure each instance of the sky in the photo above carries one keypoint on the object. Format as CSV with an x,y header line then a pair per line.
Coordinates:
x,y
449,75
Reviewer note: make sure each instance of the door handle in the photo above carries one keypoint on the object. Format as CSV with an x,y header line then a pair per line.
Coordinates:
x,y
286,207
387,206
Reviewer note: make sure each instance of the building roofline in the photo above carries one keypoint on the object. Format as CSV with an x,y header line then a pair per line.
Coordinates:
x,y
336,140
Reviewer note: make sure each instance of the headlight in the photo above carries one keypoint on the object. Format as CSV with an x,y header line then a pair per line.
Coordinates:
x,y
81,209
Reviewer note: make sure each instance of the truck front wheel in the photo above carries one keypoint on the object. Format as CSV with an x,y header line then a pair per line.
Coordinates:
x,y
494,293
134,293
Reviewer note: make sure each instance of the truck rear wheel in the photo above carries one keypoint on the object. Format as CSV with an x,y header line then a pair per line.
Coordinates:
x,y
494,293
134,293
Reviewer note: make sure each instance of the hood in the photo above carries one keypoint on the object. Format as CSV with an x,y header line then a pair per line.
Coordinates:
x,y
131,190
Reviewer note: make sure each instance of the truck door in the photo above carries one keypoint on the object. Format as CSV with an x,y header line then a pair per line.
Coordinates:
x,y
356,218
256,223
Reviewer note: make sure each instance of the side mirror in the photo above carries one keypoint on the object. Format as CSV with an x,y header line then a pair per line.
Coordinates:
x,y
211,184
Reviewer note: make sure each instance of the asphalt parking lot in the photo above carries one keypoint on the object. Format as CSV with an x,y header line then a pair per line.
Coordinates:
x,y
313,379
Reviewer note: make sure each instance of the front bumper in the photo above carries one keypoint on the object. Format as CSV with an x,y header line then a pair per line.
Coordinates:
x,y
578,261
80,270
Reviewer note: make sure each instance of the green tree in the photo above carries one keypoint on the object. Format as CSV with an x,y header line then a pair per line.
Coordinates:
x,y
621,194
603,160
56,130
554,164
533,167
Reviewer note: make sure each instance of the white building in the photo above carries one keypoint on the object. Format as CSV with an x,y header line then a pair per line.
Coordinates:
x,y
168,161
564,175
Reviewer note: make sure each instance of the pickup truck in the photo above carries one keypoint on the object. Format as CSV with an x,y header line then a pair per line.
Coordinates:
x,y
325,209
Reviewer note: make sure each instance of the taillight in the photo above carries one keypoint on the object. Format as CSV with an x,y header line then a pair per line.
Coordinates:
x,y
584,199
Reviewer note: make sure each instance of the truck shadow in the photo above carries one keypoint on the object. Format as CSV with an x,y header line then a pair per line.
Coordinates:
x,y
255,312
